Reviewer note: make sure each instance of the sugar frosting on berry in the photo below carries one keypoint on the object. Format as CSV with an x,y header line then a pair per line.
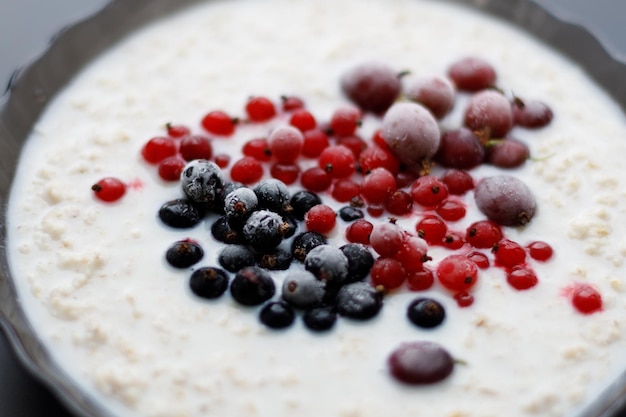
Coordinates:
x,y
94,279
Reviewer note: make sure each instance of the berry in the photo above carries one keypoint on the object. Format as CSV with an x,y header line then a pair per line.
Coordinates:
x,y
360,261
435,93
273,195
377,157
223,232
344,190
505,200
359,231
183,254
320,319
344,121
458,182
260,109
239,204
195,147
426,313
258,149
355,143
508,253
399,203
457,273
483,234
359,301
287,173
302,201
429,191
411,132
489,110
277,315
420,280
419,363
219,123
276,260
479,258
109,189
158,148
315,141
302,290
461,149
328,264
388,273
432,229
177,131
350,214
246,170
202,181
291,103
285,144
387,238
587,299
264,230
378,185
464,299
540,251
412,253
472,74
320,218
180,214
302,120
315,179
234,257
451,210
371,86
507,153
521,278
171,168
252,286
531,113
338,161
453,241
209,282
303,243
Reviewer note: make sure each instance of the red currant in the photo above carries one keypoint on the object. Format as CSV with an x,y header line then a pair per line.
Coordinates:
x,y
359,231
508,253
315,179
109,189
219,123
196,147
464,299
432,229
171,168
247,170
338,161
453,241
412,253
303,120
354,143
587,299
177,131
480,259
429,191
388,273
378,185
222,160
387,238
315,141
285,144
260,109
451,210
399,203
483,234
258,149
158,148
540,251
345,121
521,278
457,273
291,103
320,219
420,280
377,157
287,173
345,190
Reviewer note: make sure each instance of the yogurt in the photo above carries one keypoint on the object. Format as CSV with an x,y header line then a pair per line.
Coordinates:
x,y
122,323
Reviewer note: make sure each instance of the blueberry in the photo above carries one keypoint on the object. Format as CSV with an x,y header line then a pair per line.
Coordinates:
x,y
304,242
252,286
276,260
222,231
328,264
273,195
264,230
180,213
360,261
426,313
203,181
209,282
234,257
350,214
239,205
358,300
302,201
183,254
302,290
277,315
320,319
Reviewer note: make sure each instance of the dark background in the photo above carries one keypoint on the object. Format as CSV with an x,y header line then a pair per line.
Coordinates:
x,y
26,27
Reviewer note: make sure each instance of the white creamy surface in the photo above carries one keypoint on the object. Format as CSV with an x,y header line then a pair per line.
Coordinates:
x,y
93,280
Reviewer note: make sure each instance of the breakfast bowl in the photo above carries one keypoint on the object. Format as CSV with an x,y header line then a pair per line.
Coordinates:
x,y
95,311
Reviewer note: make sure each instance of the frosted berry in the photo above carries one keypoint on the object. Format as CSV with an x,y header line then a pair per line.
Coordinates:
x,y
264,230
378,185
489,110
360,261
399,203
387,238
376,157
461,149
278,259
458,182
505,200
202,181
388,273
328,264
507,153
472,74
412,253
285,144
302,289
359,301
435,93
350,214
303,243
239,205
345,121
372,86
531,113
273,195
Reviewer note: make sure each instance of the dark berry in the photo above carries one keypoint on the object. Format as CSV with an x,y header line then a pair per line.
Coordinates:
x,y
505,200
359,301
420,363
303,201
372,86
252,286
304,242
328,264
203,181
273,195
223,232
180,214
290,226
209,282
184,254
234,257
302,290
460,148
350,214
360,261
426,313
277,315
320,319
264,230
276,260
239,204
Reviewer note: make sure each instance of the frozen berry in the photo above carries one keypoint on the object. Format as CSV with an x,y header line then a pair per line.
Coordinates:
x,y
461,149
302,201
491,111
286,143
359,231
303,243
275,260
224,232
302,289
264,230
359,301
328,264
435,93
338,161
350,214
203,181
239,205
234,257
505,200
360,261
273,195
472,74
372,86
